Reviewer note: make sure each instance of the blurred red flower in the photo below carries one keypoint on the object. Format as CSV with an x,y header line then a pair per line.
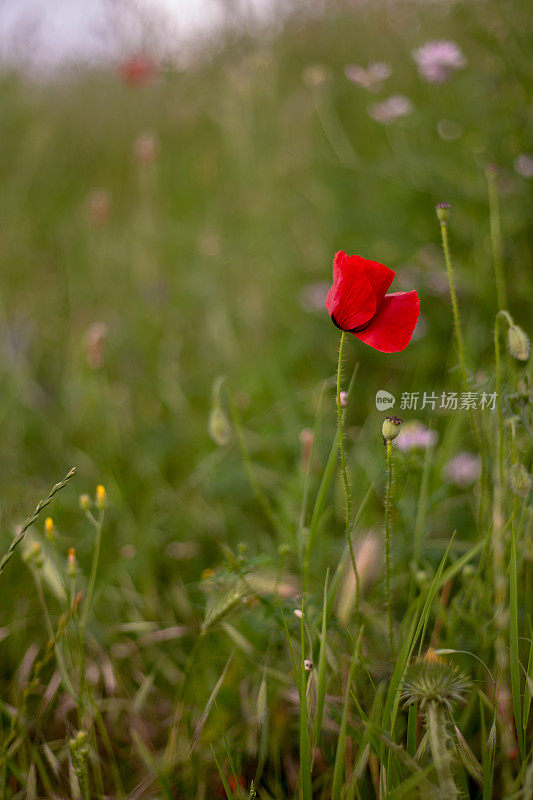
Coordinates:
x,y
137,70
357,302
232,783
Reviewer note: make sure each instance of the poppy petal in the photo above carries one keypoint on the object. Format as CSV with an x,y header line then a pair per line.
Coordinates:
x,y
379,276
351,301
391,329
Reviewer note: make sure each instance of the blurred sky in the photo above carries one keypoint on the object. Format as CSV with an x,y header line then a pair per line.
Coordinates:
x,y
50,33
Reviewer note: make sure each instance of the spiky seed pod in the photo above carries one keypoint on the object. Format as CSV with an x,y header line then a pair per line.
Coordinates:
x,y
432,680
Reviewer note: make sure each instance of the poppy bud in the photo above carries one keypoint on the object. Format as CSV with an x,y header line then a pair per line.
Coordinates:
x,y
518,343
49,529
520,480
442,211
391,428
219,426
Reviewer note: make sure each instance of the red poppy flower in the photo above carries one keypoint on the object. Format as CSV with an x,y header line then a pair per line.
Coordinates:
x,y
137,70
357,302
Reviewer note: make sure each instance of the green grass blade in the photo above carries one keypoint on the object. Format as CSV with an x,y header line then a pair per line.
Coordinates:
x,y
514,656
338,771
321,683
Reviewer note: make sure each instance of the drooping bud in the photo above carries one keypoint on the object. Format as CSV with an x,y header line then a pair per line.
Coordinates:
x,y
518,343
442,210
219,424
49,529
520,480
391,428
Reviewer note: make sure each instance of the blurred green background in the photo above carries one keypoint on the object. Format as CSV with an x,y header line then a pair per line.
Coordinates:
x,y
212,259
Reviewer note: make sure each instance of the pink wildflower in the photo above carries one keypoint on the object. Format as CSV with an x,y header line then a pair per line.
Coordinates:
x,y
436,60
392,108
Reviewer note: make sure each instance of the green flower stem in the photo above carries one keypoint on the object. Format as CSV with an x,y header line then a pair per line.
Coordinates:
x,y
438,739
347,494
496,238
98,523
388,507
462,359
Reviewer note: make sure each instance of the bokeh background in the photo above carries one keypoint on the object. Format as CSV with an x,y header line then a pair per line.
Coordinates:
x,y
172,194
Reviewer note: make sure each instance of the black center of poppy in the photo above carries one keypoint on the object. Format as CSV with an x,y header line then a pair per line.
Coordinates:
x,y
351,330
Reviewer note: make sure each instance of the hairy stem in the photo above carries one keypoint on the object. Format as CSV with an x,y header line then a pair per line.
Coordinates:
x,y
388,507
438,739
347,493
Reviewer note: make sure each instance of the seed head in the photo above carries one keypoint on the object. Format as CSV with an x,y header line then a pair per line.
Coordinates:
x,y
442,210
431,680
518,343
391,428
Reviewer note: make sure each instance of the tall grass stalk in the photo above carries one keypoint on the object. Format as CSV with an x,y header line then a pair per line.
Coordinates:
x,y
42,504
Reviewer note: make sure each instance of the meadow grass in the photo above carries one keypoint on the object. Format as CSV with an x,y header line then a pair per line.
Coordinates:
x,y
220,619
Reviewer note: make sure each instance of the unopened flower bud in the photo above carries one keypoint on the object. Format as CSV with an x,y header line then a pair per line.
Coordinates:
x,y
72,565
49,529
219,426
442,211
101,496
520,480
391,428
298,613
85,502
344,399
308,665
518,343
34,556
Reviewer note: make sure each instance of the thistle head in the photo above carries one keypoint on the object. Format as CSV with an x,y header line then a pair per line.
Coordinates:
x,y
431,680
